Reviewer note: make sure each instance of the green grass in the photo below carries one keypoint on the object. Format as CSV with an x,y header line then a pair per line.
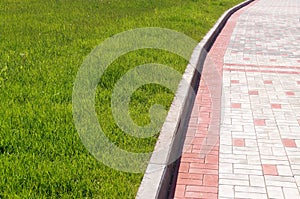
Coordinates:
x,y
42,45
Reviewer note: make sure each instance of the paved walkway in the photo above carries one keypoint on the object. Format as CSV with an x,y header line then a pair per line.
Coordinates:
x,y
245,125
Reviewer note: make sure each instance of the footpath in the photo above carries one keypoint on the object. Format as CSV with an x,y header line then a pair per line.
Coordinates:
x,y
244,131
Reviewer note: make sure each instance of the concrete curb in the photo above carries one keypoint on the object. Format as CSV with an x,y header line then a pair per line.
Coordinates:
x,y
157,179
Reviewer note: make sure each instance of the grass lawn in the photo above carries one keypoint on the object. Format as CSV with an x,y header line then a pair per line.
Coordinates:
x,y
42,45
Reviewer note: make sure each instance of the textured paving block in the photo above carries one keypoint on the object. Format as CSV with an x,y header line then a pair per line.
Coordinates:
x,y
258,156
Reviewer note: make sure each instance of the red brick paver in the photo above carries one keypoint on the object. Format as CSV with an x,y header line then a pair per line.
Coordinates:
x,y
269,169
208,94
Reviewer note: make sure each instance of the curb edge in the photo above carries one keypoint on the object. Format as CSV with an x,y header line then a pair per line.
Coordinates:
x,y
158,176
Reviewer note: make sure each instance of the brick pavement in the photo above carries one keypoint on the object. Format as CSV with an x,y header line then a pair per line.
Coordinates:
x,y
253,150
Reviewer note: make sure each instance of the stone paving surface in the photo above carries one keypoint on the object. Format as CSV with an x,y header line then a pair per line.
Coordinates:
x,y
254,150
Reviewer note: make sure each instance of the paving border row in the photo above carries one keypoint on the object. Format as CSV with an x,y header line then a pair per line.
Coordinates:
x,y
158,176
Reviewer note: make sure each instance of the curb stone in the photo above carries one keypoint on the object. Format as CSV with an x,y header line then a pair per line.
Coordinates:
x,y
158,176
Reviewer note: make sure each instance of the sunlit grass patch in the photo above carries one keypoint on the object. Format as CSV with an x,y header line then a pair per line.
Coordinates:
x,y
42,45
